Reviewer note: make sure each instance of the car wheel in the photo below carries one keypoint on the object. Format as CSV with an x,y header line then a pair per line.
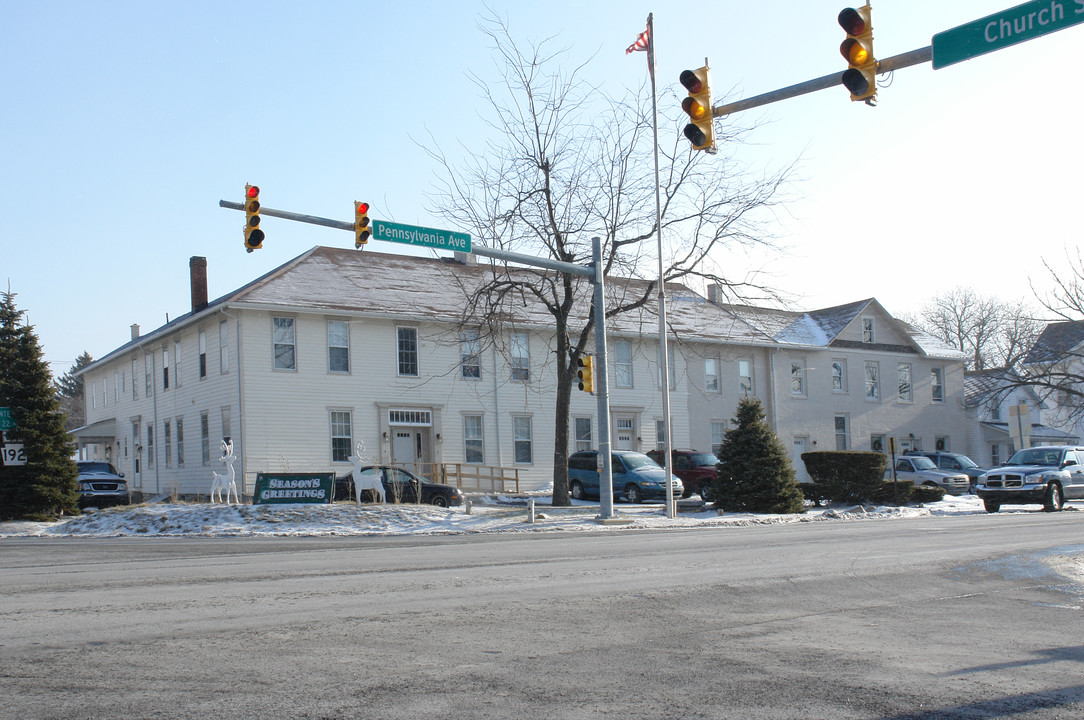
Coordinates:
x,y
577,491
632,494
1054,500
440,501
705,492
991,506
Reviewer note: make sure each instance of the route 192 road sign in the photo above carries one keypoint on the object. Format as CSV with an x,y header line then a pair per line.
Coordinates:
x,y
1005,28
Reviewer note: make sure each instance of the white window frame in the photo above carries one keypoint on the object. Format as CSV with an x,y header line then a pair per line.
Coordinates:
x,y
148,379
223,347
718,435
522,440
341,427
474,438
937,384
407,355
165,368
205,438
167,441
283,339
873,380
338,346
202,347
839,376
711,374
905,382
470,355
746,384
623,364
797,377
180,441
841,427
584,433
177,363
519,356
868,330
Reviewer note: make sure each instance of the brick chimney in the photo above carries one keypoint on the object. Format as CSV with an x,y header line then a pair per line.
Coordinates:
x,y
197,269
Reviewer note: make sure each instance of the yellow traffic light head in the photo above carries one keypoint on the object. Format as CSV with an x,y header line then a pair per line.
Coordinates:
x,y
860,77
254,236
362,231
586,373
701,129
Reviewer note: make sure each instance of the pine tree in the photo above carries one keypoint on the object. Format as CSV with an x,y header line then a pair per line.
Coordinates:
x,y
69,392
44,487
754,471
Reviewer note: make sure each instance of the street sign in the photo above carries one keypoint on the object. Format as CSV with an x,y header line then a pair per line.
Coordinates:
x,y
11,454
7,419
1005,28
423,236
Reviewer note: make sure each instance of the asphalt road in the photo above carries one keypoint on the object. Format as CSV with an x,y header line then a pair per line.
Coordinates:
x,y
924,619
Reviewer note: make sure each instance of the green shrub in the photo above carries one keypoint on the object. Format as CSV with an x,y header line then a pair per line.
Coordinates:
x,y
927,494
847,476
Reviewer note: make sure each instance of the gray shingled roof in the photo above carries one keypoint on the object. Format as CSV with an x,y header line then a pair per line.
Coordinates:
x,y
1056,341
400,286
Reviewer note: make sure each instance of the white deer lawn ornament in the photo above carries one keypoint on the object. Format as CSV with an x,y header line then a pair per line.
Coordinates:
x,y
225,482
368,481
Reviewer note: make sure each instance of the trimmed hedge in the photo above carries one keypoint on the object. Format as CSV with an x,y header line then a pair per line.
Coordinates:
x,y
847,475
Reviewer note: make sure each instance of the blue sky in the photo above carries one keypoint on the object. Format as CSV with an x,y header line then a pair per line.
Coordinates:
x,y
125,123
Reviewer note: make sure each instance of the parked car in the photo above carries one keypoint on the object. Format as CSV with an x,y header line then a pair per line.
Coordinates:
x,y
955,462
400,486
696,469
921,471
635,476
1048,474
100,485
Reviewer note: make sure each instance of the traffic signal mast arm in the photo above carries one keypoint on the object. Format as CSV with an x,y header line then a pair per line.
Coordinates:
x,y
896,62
311,219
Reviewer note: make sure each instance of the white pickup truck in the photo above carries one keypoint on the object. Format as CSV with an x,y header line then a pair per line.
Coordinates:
x,y
922,471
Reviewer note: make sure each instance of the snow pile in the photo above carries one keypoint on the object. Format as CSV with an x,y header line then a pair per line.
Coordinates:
x,y
489,515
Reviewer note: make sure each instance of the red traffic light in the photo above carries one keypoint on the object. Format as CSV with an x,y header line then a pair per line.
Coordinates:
x,y
691,81
852,21
361,208
253,191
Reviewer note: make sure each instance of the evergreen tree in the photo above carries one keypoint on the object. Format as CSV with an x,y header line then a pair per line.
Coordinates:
x,y
754,473
69,392
44,487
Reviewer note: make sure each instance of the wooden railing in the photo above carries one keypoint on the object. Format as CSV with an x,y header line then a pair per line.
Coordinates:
x,y
465,476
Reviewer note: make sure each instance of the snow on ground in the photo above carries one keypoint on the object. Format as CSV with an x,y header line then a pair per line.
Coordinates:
x,y
487,515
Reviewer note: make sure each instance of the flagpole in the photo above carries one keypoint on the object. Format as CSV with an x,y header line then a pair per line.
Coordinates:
x,y
664,351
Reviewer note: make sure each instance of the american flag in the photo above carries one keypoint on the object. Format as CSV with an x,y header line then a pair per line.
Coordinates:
x,y
641,42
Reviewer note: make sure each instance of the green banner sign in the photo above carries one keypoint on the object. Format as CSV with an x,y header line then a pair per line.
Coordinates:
x,y
1005,28
423,236
274,488
7,419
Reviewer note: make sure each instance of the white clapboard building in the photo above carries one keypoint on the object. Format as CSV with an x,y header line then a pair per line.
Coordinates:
x,y
339,347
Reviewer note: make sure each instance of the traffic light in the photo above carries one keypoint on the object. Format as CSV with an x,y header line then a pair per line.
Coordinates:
x,y
361,224
860,77
586,373
253,233
701,129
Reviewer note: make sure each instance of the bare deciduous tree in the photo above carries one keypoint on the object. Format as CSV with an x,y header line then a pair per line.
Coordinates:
x,y
992,332
565,164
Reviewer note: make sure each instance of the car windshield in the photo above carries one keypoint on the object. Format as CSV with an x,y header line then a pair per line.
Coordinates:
x,y
966,462
637,460
923,463
96,467
1037,456
703,459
